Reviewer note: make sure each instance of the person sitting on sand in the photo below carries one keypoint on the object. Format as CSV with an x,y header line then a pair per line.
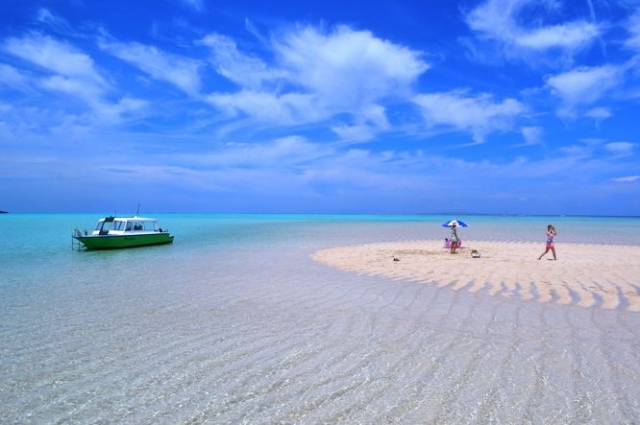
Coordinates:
x,y
551,233
454,236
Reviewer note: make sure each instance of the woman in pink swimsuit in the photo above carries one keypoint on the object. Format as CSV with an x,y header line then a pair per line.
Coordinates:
x,y
551,233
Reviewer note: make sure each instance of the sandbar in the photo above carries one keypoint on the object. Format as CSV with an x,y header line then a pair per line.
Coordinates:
x,y
590,276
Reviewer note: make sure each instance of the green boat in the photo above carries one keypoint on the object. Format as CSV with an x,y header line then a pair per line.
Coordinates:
x,y
123,232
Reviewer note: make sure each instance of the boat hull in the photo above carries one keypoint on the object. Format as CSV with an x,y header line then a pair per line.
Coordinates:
x,y
97,242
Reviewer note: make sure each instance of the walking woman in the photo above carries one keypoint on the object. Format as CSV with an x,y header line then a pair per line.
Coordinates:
x,y
551,233
455,240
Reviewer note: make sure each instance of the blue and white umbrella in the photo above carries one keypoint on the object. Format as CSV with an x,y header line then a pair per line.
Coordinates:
x,y
450,223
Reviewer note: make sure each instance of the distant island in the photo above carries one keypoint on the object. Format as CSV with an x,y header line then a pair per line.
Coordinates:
x,y
4,212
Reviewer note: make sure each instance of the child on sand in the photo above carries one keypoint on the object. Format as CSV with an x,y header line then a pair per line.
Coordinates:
x,y
551,233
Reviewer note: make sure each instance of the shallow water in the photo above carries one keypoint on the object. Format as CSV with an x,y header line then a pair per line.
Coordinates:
x,y
234,323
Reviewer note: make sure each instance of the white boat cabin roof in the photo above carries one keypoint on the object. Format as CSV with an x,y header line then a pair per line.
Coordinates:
x,y
126,224
125,219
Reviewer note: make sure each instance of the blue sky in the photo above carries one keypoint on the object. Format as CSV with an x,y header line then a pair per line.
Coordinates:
x,y
491,106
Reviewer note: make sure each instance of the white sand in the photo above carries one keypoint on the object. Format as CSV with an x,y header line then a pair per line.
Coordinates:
x,y
605,276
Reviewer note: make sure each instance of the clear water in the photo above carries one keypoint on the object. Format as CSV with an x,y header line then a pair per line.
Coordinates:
x,y
234,323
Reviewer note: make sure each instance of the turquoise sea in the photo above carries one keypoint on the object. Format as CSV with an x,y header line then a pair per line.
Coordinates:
x,y
235,323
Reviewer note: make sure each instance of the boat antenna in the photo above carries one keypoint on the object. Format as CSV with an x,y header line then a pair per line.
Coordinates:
x,y
138,210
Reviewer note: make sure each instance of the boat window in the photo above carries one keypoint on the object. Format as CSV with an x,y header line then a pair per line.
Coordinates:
x,y
136,226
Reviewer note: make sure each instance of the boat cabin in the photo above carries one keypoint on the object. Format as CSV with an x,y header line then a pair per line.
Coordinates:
x,y
125,225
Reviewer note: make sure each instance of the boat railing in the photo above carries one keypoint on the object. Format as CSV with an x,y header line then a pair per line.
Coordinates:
x,y
75,243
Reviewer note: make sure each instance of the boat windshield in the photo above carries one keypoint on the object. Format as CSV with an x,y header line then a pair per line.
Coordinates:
x,y
107,225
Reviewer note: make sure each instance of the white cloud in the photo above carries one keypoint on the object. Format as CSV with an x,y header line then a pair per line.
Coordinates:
x,y
284,152
532,135
348,68
584,148
620,148
599,114
304,166
245,70
57,83
121,110
584,86
197,5
368,124
55,23
571,36
13,78
494,19
478,115
627,179
267,108
313,76
355,133
180,71
57,57
633,42
502,21
69,75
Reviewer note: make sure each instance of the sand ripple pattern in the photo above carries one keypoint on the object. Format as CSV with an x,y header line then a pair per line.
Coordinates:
x,y
267,336
585,275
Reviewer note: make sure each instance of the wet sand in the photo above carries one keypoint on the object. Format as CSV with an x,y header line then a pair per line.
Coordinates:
x,y
604,276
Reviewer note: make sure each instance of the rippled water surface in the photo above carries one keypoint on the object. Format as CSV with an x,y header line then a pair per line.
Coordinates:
x,y
234,323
